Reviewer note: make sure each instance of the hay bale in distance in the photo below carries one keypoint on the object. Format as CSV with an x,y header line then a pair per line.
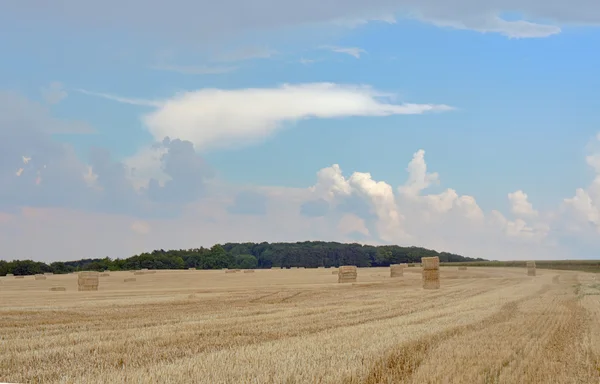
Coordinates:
x,y
9,275
531,268
48,274
249,271
56,289
40,277
462,268
411,265
347,274
129,280
19,277
431,272
231,271
104,275
396,270
88,281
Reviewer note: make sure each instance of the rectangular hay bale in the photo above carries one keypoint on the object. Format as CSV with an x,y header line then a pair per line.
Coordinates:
x,y
429,263
396,270
40,277
88,281
249,271
431,278
347,274
56,289
129,280
462,268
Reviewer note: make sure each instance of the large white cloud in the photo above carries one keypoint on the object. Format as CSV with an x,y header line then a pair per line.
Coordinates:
x,y
204,21
221,118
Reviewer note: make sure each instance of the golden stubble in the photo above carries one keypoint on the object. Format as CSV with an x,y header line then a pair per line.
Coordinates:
x,y
484,325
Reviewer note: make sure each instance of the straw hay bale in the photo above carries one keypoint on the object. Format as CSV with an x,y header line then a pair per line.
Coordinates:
x,y
58,289
275,267
40,277
144,269
431,272
430,262
462,268
237,270
249,271
138,273
293,267
9,275
231,271
19,277
88,281
411,264
104,275
320,267
129,280
403,265
396,270
531,268
347,274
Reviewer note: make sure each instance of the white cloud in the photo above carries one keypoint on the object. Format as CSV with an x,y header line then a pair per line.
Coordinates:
x,y
350,223
352,51
221,118
196,70
418,178
584,208
495,24
54,93
520,205
381,197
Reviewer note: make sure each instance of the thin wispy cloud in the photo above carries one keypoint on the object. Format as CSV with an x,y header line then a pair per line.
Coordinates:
x,y
243,54
196,70
352,51
124,100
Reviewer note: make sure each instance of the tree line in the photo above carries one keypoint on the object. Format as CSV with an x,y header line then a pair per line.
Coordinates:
x,y
308,254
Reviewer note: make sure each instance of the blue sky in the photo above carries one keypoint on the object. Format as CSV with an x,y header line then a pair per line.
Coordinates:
x,y
524,117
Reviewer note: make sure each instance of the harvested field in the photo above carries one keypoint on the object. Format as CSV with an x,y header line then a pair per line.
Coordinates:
x,y
303,327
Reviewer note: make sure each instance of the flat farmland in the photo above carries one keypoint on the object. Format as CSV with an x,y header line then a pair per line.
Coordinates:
x,y
485,325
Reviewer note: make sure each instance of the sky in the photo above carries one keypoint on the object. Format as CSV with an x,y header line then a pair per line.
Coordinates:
x,y
130,126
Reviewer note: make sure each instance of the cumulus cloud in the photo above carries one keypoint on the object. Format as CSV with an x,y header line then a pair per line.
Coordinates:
x,y
54,93
249,203
583,209
193,22
18,111
520,205
221,118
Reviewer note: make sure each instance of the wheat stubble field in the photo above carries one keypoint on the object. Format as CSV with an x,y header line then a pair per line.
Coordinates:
x,y
485,325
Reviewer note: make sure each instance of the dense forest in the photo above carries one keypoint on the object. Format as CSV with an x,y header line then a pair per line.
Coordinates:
x,y
309,254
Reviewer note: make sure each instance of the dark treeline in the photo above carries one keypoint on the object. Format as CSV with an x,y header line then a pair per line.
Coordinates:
x,y
309,254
